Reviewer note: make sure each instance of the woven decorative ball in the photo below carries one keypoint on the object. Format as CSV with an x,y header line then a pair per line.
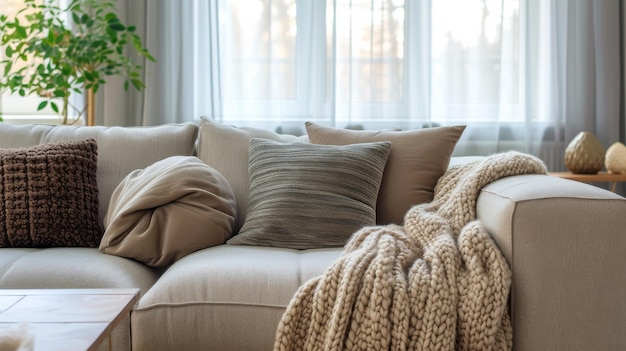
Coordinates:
x,y
615,160
584,154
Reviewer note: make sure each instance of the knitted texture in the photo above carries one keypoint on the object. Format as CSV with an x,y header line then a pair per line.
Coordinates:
x,y
437,283
49,195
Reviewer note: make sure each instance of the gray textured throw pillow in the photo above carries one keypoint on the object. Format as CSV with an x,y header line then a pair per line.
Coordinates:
x,y
305,196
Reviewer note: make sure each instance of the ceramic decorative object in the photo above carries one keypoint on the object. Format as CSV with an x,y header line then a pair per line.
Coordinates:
x,y
584,154
615,160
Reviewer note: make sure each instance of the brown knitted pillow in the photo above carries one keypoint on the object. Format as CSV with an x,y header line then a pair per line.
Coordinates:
x,y
49,195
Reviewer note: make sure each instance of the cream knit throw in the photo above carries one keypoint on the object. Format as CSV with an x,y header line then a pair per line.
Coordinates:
x,y
438,283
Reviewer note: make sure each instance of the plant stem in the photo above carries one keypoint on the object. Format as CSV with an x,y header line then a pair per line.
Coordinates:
x,y
65,109
91,108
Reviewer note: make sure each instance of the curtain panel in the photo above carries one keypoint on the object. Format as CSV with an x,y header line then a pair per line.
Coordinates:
x,y
523,75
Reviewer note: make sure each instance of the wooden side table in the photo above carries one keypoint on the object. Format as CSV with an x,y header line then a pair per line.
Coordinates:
x,y
599,177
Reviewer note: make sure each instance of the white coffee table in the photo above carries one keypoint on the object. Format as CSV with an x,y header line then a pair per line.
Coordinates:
x,y
67,319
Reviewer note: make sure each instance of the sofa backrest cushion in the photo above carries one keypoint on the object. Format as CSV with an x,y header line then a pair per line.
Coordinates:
x,y
225,148
417,159
120,149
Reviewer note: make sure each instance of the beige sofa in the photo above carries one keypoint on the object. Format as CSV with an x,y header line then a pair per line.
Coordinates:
x,y
564,241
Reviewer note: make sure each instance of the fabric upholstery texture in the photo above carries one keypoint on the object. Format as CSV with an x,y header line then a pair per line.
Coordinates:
x,y
49,195
71,268
555,234
169,209
417,160
121,150
305,196
237,304
225,148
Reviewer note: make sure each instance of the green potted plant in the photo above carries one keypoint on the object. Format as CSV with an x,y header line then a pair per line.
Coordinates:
x,y
53,52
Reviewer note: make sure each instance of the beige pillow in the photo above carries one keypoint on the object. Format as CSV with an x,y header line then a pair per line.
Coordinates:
x,y
417,159
49,195
225,148
305,196
172,208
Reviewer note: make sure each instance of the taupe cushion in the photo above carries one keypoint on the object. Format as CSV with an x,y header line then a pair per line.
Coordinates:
x,y
164,212
306,196
49,195
417,160
225,148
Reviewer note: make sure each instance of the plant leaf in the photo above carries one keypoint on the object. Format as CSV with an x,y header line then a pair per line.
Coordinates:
x,y
59,39
60,80
66,70
42,105
7,68
20,32
138,84
118,27
54,107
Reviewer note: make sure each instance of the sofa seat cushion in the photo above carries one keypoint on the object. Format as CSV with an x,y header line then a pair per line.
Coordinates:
x,y
71,268
237,303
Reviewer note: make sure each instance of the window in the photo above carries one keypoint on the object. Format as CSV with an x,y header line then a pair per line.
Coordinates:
x,y
371,62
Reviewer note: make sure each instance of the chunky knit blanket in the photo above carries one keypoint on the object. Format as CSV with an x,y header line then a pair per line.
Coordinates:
x,y
437,283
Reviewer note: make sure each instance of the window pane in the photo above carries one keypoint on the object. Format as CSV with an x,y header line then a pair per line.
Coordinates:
x,y
365,50
259,39
475,52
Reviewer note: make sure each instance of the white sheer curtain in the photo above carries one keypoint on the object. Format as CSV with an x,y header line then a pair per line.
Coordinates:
x,y
522,74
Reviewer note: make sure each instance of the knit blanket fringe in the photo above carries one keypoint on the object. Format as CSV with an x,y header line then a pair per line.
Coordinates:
x,y
437,283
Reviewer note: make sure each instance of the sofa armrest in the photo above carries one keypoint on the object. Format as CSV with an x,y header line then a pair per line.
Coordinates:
x,y
566,244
